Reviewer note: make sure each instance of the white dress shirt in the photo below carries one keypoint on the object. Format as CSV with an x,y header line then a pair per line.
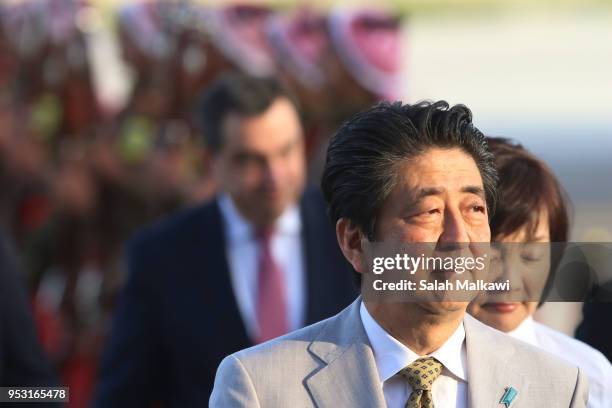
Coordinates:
x,y
449,389
595,365
242,253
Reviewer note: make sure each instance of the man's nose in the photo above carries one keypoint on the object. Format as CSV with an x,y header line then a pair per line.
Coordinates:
x,y
274,171
454,229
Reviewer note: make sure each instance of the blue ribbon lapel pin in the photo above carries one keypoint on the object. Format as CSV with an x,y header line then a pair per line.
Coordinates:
x,y
510,394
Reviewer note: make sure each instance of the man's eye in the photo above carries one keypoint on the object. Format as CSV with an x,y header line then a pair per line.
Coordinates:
x,y
287,151
427,213
245,160
478,208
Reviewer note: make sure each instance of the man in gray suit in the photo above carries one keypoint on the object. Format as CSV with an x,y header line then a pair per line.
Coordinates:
x,y
402,174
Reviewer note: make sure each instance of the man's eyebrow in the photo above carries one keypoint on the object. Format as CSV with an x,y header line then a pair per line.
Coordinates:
x,y
427,191
291,143
430,191
479,191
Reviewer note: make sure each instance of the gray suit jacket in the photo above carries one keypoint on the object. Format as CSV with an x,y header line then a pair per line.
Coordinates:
x,y
331,364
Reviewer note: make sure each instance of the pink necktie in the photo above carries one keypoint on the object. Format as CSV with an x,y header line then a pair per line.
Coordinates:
x,y
271,298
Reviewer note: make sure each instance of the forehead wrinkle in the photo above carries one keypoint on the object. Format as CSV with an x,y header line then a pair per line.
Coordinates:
x,y
447,174
473,189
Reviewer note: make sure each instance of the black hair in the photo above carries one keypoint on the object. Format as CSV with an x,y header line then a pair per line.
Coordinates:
x,y
235,93
362,157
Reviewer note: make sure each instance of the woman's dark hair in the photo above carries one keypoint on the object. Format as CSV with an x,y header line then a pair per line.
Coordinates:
x,y
526,187
363,156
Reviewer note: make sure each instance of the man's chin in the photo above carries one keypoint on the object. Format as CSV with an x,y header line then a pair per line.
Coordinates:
x,y
270,213
444,307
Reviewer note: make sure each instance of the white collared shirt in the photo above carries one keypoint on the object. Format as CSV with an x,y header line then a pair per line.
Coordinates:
x,y
449,390
242,254
595,365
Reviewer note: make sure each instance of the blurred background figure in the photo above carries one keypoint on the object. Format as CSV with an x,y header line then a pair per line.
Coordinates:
x,y
594,328
338,64
530,221
22,359
362,65
253,263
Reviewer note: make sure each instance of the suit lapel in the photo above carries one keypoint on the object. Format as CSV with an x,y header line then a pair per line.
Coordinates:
x,y
349,376
218,278
488,371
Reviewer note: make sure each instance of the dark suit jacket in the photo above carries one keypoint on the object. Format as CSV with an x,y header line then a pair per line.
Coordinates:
x,y
22,360
596,327
178,318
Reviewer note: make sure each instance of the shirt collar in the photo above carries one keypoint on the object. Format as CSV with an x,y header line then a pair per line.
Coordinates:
x,y
239,228
391,355
525,331
453,355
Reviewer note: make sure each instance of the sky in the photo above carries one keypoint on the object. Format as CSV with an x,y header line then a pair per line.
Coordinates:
x,y
541,78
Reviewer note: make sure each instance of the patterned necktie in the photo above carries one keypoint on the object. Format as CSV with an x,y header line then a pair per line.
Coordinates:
x,y
271,298
421,374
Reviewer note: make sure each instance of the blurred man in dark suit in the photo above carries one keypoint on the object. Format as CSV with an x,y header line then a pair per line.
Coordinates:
x,y
257,261
22,360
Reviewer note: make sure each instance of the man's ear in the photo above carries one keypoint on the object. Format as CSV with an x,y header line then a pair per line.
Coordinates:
x,y
350,240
